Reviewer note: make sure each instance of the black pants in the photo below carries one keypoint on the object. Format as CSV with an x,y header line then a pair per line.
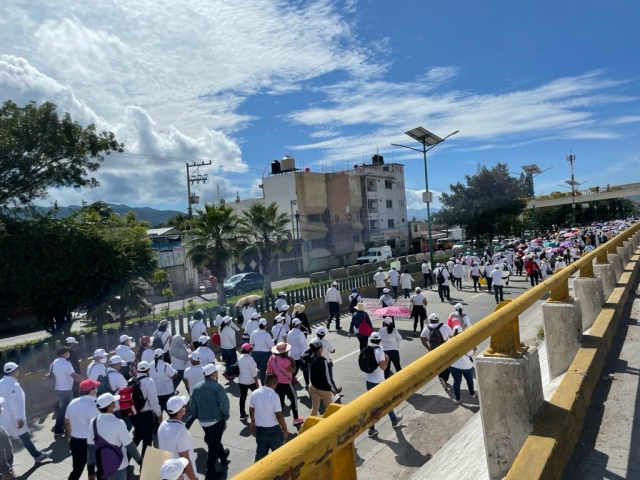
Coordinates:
x,y
300,365
162,400
444,292
334,311
286,390
195,345
497,291
534,278
445,375
244,390
144,424
78,447
489,282
213,439
475,282
419,313
363,339
457,281
428,280
394,357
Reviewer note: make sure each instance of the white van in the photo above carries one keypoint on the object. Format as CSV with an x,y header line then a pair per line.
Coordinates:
x,y
375,254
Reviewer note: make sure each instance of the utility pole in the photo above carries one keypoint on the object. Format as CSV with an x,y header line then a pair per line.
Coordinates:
x,y
195,178
571,158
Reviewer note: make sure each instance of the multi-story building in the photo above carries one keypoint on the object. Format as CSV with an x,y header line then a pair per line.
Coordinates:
x,y
384,212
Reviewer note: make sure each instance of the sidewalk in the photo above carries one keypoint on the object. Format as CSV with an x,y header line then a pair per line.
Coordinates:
x,y
609,444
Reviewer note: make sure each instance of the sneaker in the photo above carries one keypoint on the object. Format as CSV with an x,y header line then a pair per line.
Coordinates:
x,y
298,421
474,394
398,420
415,334
338,327
372,433
56,434
457,402
225,375
44,455
336,397
244,417
444,384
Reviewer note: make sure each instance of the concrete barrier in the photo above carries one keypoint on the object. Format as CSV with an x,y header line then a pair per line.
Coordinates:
x,y
421,257
380,263
411,259
319,277
338,273
354,270
368,268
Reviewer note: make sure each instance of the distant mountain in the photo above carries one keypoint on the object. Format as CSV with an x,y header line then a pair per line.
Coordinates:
x,y
419,213
151,215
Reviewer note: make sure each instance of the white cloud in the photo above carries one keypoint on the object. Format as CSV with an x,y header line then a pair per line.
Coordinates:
x,y
626,119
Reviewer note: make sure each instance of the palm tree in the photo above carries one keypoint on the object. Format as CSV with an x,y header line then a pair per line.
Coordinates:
x,y
216,237
267,234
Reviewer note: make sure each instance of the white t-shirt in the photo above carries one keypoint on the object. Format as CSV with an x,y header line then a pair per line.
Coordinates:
x,y
161,375
426,268
377,376
261,341
164,337
458,270
393,278
125,353
248,369
406,280
194,375
298,343
206,355
116,379
247,311
62,370
251,326
266,404
327,349
147,355
174,437
114,431
95,370
227,337
80,412
279,332
464,362
390,341
445,331
198,328
496,276
380,278
418,300
445,274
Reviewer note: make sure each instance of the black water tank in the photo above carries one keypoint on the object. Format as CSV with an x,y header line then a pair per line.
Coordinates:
x,y
377,160
275,167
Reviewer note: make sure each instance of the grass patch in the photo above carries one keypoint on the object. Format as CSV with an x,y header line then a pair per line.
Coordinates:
x,y
541,334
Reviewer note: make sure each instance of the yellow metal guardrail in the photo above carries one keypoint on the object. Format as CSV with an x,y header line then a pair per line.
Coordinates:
x,y
324,448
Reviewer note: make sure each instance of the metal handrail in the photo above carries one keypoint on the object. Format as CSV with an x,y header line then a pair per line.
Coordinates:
x,y
307,453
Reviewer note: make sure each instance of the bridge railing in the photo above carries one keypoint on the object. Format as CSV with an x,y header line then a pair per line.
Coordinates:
x,y
587,192
324,449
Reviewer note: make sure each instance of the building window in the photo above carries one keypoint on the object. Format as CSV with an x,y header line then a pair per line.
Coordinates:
x,y
337,218
356,238
403,220
415,229
388,184
321,243
314,218
373,224
389,204
390,223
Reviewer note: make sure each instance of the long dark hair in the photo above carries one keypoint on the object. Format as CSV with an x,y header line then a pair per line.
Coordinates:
x,y
390,328
222,325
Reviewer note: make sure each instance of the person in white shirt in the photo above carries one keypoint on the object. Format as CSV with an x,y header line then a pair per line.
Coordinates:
x,y
247,311
162,375
418,310
458,273
280,330
426,273
114,431
327,350
179,354
174,437
394,276
64,374
449,266
221,314
280,301
206,354
475,276
354,300
150,415
377,376
457,317
488,268
463,367
390,342
14,417
333,300
193,375
406,280
162,339
248,377
227,334
496,278
262,343
443,288
431,340
560,263
126,354
116,379
77,419
145,352
386,300
197,328
380,278
284,312
267,421
298,343
96,368
251,325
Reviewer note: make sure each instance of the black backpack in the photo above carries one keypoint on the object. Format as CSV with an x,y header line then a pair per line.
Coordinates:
x,y
440,277
435,339
353,304
157,341
367,359
105,385
136,394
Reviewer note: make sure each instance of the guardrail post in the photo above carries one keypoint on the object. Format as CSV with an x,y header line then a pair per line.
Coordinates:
x,y
510,395
342,464
603,269
181,324
562,319
615,259
589,289
623,251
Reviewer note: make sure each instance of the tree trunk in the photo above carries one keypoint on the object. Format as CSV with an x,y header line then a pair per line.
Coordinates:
x,y
123,316
222,297
266,271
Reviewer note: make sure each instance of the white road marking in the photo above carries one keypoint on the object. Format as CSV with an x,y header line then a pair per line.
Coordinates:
x,y
477,295
346,356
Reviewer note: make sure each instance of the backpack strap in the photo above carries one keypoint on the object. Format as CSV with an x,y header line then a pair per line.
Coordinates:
x,y
95,428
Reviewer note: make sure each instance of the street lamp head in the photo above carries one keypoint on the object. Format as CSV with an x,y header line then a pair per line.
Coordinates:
x,y
531,169
424,136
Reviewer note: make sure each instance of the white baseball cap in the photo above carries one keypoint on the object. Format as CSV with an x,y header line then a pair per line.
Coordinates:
x,y
143,366
434,317
375,336
10,367
209,369
262,321
100,353
226,319
158,352
70,340
418,289
106,399
255,315
195,356
282,294
203,339
173,468
385,290
124,338
321,331
387,320
334,284
379,269
296,321
176,403
115,360
284,307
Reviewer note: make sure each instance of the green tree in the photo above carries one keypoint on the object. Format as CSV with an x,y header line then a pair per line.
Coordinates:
x,y
216,240
488,201
130,298
40,150
54,266
267,233
179,221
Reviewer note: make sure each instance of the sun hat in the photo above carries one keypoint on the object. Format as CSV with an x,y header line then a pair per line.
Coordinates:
x,y
88,385
300,308
296,321
124,338
115,360
281,347
360,307
262,321
173,468
375,336
163,323
387,321
70,340
10,367
210,369
195,356
284,307
321,331
100,353
106,399
434,317
175,404
246,347
158,352
203,339
143,366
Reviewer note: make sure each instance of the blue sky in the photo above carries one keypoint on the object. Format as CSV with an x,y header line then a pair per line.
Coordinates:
x,y
331,83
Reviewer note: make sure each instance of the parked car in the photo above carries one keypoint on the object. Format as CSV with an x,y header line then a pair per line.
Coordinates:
x,y
375,254
244,282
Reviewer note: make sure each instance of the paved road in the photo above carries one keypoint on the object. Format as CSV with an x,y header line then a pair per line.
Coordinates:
x,y
430,420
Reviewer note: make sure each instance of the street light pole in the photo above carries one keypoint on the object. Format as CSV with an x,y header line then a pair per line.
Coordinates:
x,y
571,158
427,139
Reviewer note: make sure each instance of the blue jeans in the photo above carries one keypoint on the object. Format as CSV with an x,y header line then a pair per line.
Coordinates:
x,y
230,361
268,438
178,379
261,358
406,293
28,444
64,399
457,375
394,288
392,414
